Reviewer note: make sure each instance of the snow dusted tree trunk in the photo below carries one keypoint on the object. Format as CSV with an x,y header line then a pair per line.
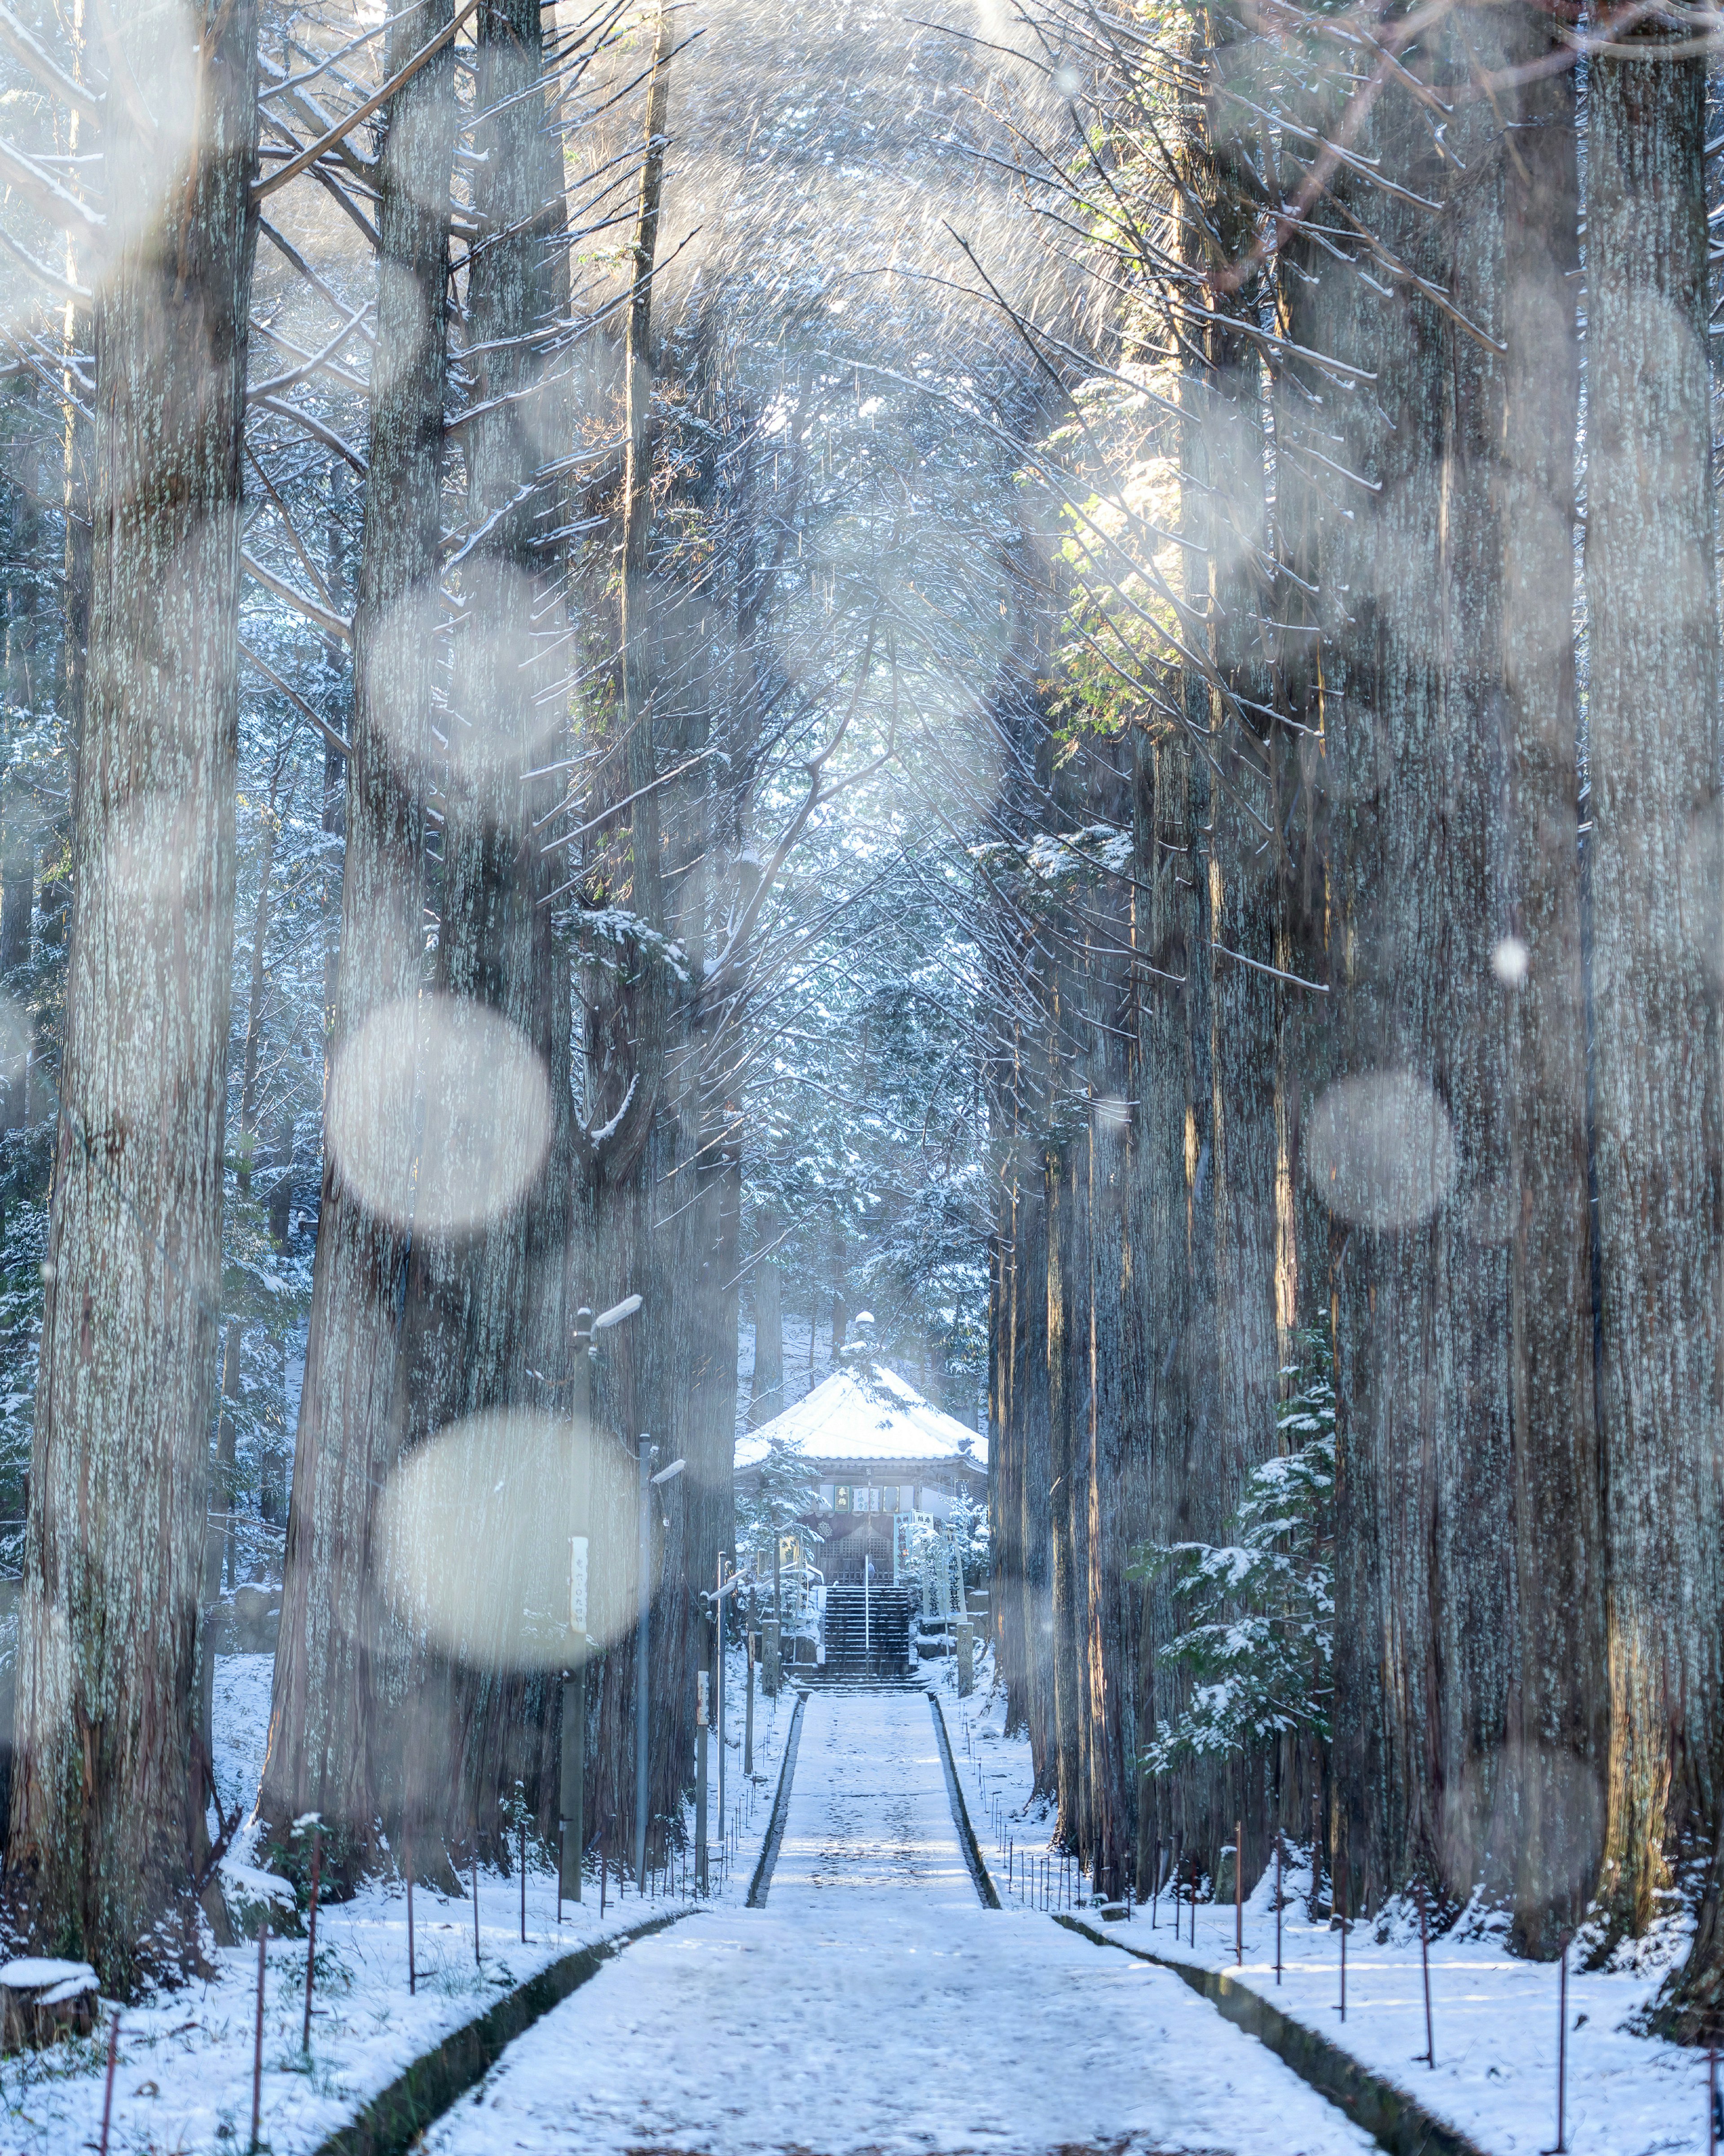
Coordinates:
x,y
1065,1379
1186,1441
1558,1705
1019,1298
485,1289
351,1412
766,1392
1174,1243
1413,1148
1111,1643
638,1051
1237,857
1034,1349
1654,854
108,1790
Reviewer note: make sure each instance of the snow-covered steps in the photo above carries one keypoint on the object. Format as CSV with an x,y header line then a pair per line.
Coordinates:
x,y
867,1631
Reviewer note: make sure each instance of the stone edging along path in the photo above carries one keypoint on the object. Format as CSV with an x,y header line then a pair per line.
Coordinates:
x,y
961,1811
762,1882
1395,2120
393,2119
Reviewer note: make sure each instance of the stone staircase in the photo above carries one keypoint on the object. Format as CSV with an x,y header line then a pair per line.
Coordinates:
x,y
883,1657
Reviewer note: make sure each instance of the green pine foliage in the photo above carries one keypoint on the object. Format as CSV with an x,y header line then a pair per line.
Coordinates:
x,y
1258,1652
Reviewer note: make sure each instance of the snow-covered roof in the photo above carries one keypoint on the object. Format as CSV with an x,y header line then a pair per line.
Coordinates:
x,y
865,1412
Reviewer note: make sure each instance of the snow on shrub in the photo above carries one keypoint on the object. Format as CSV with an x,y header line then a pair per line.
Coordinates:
x,y
1258,1647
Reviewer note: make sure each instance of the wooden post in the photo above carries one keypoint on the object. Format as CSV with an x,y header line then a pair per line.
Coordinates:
x,y
748,1719
477,1963
257,2048
523,1879
1343,1963
1155,1884
1424,1958
1560,2147
312,1934
703,1683
413,1974
1239,1893
108,2092
1278,1905
1316,1855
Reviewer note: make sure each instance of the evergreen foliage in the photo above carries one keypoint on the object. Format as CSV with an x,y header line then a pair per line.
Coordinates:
x,y
1258,1650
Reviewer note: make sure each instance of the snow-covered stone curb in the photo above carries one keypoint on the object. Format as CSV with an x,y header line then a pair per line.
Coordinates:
x,y
391,2122
1493,2088
1395,2120
760,1884
961,1811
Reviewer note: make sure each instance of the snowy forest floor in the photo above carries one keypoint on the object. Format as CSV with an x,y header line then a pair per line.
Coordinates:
x,y
183,2083
874,2006
1494,2017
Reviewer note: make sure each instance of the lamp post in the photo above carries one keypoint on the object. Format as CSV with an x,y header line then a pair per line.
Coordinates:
x,y
643,1604
572,1775
571,1763
718,1682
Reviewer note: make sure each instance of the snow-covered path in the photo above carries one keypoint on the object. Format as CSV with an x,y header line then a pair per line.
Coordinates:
x,y
873,2004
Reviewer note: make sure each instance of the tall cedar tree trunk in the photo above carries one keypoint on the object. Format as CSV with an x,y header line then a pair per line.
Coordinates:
x,y
478,1300
1653,719
219,1539
1064,1375
1018,1089
1109,1643
766,1391
1016,1381
352,1411
1418,1139
1186,1492
108,1789
638,1052
1558,1708
1242,885
1034,1388
24,678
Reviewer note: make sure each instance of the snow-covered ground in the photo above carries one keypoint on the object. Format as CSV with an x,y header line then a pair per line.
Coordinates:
x,y
1493,2016
873,2004
184,2078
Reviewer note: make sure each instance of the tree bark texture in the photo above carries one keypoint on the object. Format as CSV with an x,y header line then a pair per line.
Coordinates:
x,y
766,1391
482,1293
1416,1157
1654,858
108,1792
1558,1703
323,1730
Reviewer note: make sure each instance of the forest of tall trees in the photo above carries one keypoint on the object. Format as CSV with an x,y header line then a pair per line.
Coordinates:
x,y
1381,1052
1080,707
